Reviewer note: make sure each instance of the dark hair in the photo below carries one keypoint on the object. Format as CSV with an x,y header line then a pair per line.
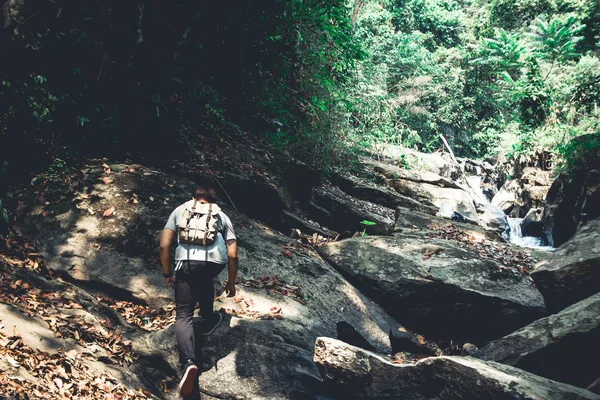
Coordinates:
x,y
205,193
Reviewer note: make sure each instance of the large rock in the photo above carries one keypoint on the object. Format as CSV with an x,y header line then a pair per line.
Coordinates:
x,y
574,197
337,210
409,221
351,372
570,203
552,347
452,293
508,198
253,354
492,218
379,194
523,192
572,273
430,189
532,226
437,163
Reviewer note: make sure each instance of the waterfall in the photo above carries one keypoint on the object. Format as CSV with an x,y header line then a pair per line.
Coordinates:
x,y
474,181
515,236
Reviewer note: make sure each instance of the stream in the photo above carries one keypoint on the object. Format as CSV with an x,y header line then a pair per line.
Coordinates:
x,y
514,235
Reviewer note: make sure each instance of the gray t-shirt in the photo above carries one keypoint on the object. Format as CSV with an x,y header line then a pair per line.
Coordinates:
x,y
216,252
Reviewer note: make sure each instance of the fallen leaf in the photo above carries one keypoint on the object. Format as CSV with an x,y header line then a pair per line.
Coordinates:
x,y
109,211
287,253
12,361
58,382
107,180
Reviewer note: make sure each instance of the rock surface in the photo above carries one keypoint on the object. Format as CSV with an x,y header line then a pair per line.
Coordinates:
x,y
518,195
437,163
552,347
351,372
447,293
263,349
342,212
572,273
430,189
570,203
408,221
379,194
492,218
531,225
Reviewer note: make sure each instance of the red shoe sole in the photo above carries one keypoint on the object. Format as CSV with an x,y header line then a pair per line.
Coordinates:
x,y
186,386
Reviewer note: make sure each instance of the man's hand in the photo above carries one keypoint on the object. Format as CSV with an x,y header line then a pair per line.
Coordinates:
x,y
170,282
230,289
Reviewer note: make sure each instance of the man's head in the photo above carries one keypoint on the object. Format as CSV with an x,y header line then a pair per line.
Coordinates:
x,y
205,195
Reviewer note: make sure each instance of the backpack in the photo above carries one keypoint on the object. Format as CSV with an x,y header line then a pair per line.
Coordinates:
x,y
198,224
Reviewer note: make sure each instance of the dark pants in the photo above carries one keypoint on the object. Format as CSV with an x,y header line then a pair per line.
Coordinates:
x,y
193,284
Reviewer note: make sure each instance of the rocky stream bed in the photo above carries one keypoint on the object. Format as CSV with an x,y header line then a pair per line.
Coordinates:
x,y
417,306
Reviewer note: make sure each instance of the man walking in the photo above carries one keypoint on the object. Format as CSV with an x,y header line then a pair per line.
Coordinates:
x,y
206,243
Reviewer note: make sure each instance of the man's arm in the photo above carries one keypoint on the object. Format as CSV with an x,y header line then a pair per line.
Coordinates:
x,y
165,253
232,265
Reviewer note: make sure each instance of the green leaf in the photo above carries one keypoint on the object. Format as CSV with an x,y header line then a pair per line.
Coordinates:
x,y
367,223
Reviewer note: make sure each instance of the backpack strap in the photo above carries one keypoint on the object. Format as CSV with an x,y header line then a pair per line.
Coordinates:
x,y
209,215
189,218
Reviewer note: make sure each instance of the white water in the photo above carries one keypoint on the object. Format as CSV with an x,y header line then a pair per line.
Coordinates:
x,y
514,235
475,182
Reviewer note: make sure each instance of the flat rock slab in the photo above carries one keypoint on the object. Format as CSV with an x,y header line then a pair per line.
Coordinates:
x,y
553,346
351,372
572,273
450,294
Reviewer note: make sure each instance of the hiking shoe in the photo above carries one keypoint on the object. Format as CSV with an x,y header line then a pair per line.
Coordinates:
x,y
186,386
210,324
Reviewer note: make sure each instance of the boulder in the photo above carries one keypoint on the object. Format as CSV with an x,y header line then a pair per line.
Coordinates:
x,y
531,225
572,273
552,346
437,163
531,176
527,190
509,200
437,288
571,202
417,176
342,212
351,372
408,221
379,194
431,190
492,218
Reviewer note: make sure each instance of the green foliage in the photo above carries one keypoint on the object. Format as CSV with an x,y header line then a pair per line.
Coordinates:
x,y
502,54
556,40
580,151
320,80
366,223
